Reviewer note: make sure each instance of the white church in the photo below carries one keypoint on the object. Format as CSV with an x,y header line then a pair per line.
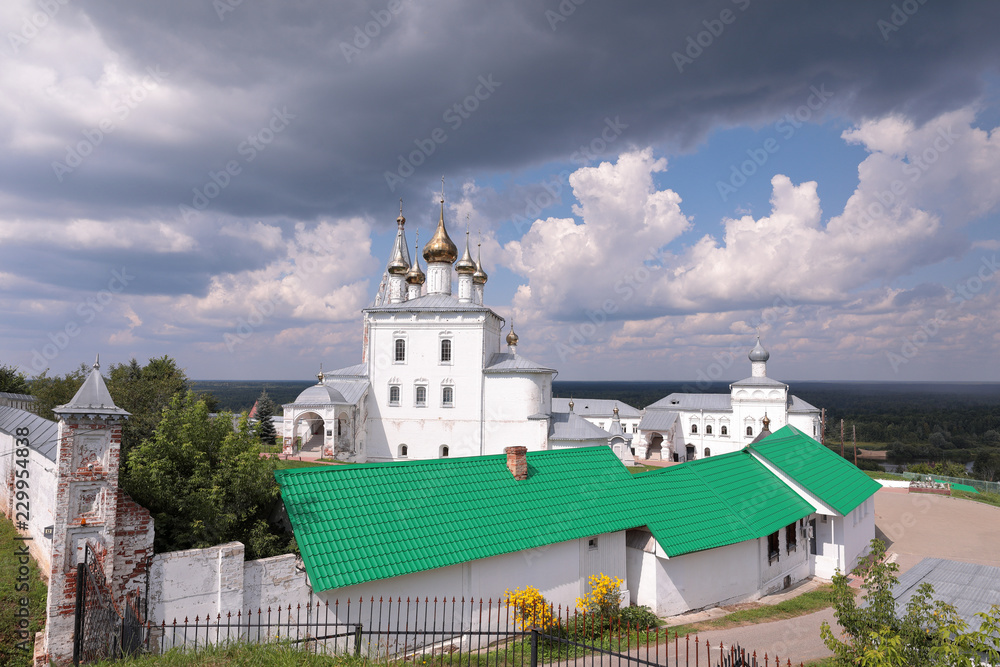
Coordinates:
x,y
436,380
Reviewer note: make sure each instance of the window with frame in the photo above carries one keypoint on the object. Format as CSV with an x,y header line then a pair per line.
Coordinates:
x,y
403,451
791,538
394,395
694,428
399,351
446,351
444,451
592,544
749,430
448,397
773,548
708,452
420,396
708,429
724,430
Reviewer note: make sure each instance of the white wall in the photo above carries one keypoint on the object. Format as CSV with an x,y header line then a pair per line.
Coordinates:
x,y
41,489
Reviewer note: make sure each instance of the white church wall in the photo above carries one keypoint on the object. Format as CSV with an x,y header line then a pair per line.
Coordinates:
x,y
39,482
510,399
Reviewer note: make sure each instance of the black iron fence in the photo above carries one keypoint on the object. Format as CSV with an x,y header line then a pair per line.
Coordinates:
x,y
456,633
103,628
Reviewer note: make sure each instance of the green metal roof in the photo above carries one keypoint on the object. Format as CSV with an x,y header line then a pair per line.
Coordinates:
x,y
831,478
366,522
716,501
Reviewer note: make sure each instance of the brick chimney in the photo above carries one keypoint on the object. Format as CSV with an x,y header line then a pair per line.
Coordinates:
x,y
517,462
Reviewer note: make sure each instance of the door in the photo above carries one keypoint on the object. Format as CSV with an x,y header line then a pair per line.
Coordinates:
x,y
812,536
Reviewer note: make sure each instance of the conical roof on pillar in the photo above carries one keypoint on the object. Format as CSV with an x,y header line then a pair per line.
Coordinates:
x,y
93,398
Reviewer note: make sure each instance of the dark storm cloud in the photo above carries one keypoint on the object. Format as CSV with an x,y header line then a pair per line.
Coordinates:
x,y
551,85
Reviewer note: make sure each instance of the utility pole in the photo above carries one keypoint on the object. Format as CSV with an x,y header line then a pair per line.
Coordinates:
x,y
841,438
854,439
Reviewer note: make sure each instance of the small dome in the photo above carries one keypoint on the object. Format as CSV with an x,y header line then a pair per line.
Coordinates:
x,y
479,277
320,394
415,276
758,353
512,337
440,248
399,264
466,265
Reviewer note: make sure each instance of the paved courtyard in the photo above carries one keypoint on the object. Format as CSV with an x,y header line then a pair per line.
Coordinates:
x,y
914,526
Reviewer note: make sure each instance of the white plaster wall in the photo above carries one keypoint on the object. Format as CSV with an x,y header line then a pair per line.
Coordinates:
x,y
859,531
607,558
794,564
808,423
510,399
641,569
704,578
828,557
41,488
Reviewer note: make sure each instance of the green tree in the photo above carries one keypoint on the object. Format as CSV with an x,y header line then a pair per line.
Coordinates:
x,y
265,425
928,633
145,391
12,380
205,482
50,391
987,464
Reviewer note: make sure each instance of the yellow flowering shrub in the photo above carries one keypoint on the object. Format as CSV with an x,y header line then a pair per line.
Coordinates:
x,y
604,598
529,608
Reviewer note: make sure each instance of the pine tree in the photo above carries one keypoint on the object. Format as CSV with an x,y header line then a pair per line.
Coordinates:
x,y
265,426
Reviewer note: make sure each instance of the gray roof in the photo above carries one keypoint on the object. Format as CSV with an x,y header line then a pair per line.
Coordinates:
x,y
595,407
319,394
967,587
351,390
657,420
42,433
508,362
431,302
92,398
571,426
17,397
759,382
717,402
796,404
357,370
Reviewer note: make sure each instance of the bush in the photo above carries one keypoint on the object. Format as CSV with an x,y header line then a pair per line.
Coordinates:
x,y
639,618
604,598
529,608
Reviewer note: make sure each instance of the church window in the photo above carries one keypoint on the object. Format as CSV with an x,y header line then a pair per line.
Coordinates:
x,y
394,395
403,451
708,452
724,430
421,396
448,396
400,351
444,451
791,538
694,428
592,544
749,430
708,429
773,548
446,351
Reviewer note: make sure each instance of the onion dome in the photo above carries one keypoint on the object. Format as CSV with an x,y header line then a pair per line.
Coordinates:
x,y
479,277
512,337
399,263
466,265
767,423
758,353
571,404
440,248
415,276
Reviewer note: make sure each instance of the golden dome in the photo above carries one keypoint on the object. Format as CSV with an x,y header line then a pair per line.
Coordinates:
x,y
466,265
512,337
415,276
440,248
479,277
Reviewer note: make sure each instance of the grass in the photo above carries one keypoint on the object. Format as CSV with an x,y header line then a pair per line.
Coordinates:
x,y
875,474
240,655
982,497
800,605
10,599
284,464
635,470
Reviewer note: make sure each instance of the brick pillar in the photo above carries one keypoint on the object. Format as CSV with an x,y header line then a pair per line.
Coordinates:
x,y
517,462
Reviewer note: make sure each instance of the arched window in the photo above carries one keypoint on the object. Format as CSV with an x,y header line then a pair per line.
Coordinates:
x,y
400,350
694,428
394,395
708,452
444,451
749,430
403,451
725,430
708,429
447,396
446,351
421,395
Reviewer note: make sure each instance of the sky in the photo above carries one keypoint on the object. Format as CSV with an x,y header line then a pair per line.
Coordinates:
x,y
653,184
